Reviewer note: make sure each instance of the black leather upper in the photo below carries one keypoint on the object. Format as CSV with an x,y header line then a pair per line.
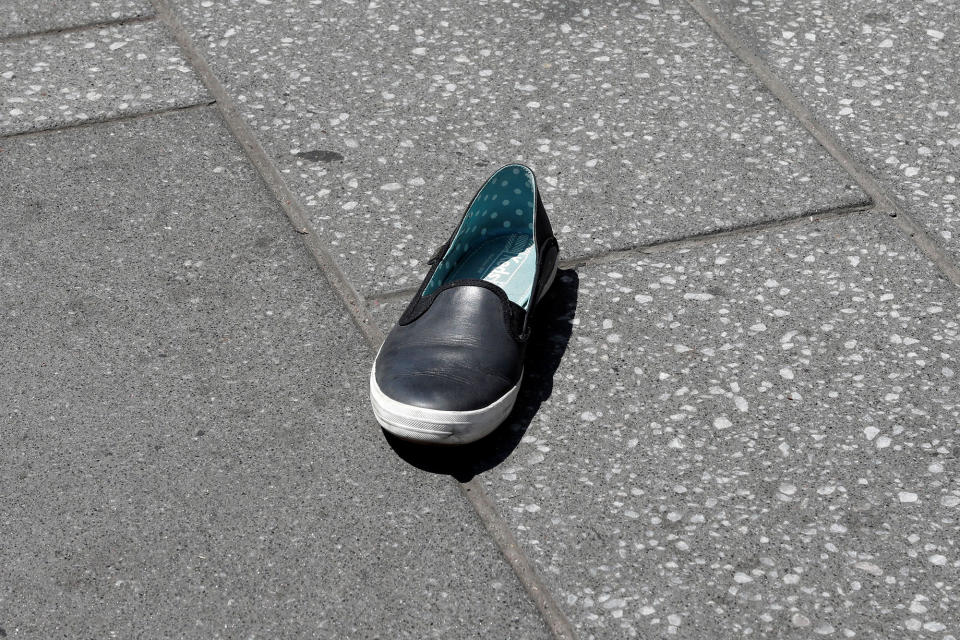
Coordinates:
x,y
460,354
461,347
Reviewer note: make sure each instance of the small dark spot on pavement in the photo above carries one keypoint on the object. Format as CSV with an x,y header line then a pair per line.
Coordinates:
x,y
320,155
720,292
874,18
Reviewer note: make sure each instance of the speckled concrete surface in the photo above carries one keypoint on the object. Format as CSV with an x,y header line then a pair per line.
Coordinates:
x,y
757,438
31,16
387,117
749,438
186,447
93,74
882,77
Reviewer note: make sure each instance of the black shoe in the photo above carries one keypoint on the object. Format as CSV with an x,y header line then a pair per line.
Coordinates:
x,y
450,369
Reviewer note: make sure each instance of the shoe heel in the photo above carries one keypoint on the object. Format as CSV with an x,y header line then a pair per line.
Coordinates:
x,y
546,287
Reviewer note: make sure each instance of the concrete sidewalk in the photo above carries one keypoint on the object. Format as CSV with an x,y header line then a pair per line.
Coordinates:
x,y
741,412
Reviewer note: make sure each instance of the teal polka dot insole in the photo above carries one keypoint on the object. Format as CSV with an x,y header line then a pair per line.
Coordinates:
x,y
507,261
495,239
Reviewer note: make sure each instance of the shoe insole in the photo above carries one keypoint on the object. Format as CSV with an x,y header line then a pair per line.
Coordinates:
x,y
507,261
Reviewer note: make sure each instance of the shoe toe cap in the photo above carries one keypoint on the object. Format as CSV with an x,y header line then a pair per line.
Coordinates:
x,y
455,390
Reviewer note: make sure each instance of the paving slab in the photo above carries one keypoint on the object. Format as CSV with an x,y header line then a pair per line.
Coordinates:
x,y
751,438
186,447
29,16
386,118
876,74
92,74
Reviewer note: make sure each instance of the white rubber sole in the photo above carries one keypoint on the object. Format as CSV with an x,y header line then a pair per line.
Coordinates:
x,y
437,426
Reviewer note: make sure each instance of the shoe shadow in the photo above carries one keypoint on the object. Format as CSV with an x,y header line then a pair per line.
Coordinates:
x,y
552,326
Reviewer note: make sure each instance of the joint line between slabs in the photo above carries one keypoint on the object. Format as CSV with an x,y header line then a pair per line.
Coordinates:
x,y
475,494
920,236
92,122
726,235
104,24
611,255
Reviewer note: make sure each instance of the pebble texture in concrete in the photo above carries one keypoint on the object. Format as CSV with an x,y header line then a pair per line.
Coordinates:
x,y
752,438
882,77
387,117
187,449
93,74
30,16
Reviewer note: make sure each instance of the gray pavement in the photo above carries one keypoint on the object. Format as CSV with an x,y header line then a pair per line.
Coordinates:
x,y
641,125
91,75
882,77
750,436
187,450
741,411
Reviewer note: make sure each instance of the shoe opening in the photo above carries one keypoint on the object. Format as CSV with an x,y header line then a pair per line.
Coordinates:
x,y
495,240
